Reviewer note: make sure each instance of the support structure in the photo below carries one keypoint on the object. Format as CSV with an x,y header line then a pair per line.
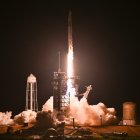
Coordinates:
x,y
60,99
31,93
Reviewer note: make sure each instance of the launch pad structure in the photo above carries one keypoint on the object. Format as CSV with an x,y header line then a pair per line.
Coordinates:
x,y
60,98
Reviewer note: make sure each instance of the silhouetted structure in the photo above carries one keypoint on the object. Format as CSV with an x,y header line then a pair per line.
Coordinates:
x,y
129,109
31,93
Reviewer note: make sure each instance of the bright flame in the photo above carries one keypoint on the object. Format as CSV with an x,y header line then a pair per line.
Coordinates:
x,y
70,73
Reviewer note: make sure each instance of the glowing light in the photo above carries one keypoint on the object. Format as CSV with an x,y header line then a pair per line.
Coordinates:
x,y
70,72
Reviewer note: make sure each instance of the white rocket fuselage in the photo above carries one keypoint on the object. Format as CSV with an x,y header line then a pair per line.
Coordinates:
x,y
70,69
70,66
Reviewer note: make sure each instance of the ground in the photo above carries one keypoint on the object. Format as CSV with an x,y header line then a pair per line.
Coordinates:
x,y
80,132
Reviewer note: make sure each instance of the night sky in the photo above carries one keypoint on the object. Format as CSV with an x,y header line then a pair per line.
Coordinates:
x,y
106,50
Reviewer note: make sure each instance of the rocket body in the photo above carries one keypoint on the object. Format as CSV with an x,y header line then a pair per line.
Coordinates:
x,y
70,66
70,69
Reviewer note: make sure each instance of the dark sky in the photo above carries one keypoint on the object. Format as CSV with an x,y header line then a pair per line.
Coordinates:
x,y
106,50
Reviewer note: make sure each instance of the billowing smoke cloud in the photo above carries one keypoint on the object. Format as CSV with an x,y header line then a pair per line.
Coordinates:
x,y
5,118
91,114
85,113
48,106
23,117
79,109
28,116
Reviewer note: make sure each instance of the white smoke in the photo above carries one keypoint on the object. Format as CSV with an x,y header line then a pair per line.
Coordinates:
x,y
48,106
91,114
23,117
5,118
87,114
79,109
28,116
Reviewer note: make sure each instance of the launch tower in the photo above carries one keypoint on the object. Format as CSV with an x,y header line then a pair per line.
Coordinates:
x,y
60,99
31,93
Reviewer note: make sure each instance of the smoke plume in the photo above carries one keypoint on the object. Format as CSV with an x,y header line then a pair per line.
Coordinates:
x,y
87,114
48,106
91,114
5,118
25,117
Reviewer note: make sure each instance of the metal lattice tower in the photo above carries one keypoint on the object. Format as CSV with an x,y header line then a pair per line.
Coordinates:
x,y
31,93
61,100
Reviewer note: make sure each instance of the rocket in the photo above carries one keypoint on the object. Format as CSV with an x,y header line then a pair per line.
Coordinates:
x,y
70,69
70,45
71,79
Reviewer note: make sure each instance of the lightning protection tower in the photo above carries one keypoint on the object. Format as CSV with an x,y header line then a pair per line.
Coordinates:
x,y
31,93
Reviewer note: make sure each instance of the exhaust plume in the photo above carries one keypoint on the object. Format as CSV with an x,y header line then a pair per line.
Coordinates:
x,y
5,118
28,116
48,106
86,114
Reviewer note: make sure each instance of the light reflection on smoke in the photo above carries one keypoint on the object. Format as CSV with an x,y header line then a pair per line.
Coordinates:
x,y
5,118
28,116
79,109
85,113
